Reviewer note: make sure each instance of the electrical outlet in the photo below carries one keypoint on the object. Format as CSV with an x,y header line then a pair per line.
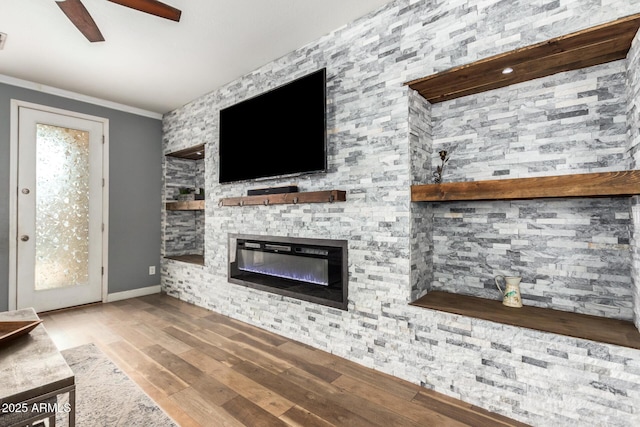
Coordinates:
x,y
152,270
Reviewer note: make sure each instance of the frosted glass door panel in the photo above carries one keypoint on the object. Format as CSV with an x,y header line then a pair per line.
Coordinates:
x,y
62,207
60,195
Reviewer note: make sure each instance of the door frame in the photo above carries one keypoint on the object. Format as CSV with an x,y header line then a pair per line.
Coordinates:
x,y
13,194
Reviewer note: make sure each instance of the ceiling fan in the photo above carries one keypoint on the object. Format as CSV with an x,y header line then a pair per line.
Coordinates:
x,y
80,17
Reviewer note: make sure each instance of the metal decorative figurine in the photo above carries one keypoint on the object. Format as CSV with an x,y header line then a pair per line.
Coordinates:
x,y
437,175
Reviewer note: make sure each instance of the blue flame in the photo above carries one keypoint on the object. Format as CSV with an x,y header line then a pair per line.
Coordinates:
x,y
302,269
307,277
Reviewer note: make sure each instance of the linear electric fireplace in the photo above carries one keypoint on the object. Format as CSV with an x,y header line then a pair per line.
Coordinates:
x,y
313,270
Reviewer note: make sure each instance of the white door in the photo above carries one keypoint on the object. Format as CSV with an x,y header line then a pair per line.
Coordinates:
x,y
59,205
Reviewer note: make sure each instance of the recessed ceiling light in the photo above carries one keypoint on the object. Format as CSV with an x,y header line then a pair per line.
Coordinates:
x,y
507,70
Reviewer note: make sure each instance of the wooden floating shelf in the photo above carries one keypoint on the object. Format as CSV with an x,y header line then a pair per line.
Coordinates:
x,y
190,259
191,205
329,196
594,328
597,45
192,153
600,184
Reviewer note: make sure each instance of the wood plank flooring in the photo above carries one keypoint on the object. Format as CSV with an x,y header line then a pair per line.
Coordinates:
x,y
205,369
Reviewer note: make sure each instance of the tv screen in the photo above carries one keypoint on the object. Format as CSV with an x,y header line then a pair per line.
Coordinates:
x,y
279,133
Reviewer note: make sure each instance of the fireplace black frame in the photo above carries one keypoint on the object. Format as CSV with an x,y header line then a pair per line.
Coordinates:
x,y
334,295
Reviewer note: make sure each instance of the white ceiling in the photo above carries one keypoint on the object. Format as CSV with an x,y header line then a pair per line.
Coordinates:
x,y
155,64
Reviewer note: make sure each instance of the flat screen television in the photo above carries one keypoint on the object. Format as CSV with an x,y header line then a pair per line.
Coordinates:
x,y
279,133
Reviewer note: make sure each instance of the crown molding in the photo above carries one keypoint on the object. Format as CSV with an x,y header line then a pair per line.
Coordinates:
x,y
78,97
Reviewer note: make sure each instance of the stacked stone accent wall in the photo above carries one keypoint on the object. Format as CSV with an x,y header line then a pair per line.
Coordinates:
x,y
633,103
633,135
183,230
539,378
421,146
572,122
573,255
635,257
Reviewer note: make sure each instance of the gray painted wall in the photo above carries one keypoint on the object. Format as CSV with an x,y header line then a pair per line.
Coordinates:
x,y
134,190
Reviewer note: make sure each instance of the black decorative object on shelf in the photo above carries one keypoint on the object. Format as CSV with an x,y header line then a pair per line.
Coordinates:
x,y
437,175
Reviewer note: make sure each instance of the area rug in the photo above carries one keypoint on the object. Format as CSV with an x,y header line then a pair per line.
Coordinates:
x,y
106,396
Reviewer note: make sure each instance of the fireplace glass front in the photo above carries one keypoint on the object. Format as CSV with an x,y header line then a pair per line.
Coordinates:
x,y
308,269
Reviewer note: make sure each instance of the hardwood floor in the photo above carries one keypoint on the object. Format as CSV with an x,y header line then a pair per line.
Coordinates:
x,y
205,369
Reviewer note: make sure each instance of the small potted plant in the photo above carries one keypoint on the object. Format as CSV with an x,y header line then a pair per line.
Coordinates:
x,y
186,194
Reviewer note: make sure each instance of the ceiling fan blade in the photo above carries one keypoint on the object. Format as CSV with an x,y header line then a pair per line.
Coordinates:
x,y
79,16
153,7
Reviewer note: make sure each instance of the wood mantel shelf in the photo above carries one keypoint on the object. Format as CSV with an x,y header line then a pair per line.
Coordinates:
x,y
594,328
190,259
191,205
192,153
600,184
329,196
593,46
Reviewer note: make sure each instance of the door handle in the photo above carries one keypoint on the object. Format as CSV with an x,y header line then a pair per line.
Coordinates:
x,y
24,238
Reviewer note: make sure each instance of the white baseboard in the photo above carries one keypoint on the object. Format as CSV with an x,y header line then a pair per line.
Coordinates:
x,y
133,293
